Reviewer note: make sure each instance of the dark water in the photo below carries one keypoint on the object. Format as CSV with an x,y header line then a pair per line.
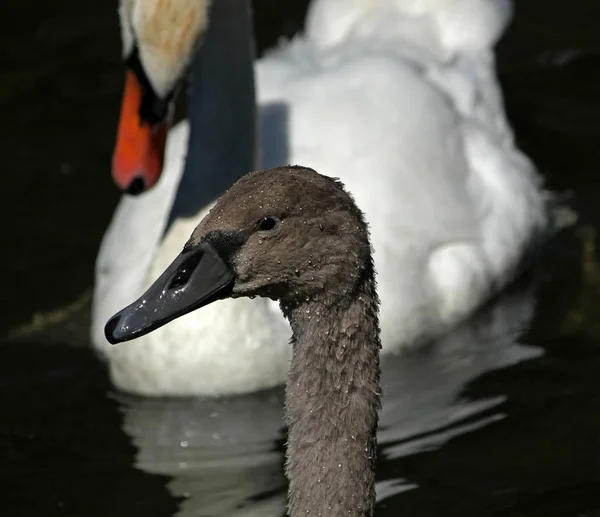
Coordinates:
x,y
501,418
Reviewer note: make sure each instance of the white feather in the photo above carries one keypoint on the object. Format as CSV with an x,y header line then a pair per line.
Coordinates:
x,y
400,101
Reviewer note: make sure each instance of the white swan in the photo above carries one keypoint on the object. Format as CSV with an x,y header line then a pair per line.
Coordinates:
x,y
398,98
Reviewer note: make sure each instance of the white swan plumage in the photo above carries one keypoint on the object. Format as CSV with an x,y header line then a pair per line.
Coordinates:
x,y
397,98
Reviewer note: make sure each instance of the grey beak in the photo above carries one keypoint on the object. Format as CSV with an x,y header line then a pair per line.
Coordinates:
x,y
197,277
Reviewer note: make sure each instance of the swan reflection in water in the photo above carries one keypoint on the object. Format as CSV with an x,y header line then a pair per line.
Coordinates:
x,y
225,456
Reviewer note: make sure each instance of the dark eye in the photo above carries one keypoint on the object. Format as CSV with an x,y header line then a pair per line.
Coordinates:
x,y
266,223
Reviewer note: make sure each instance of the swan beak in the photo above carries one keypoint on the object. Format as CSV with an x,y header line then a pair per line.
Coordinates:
x,y
140,149
197,277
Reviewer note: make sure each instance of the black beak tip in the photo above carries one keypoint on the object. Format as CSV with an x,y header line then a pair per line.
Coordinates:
x,y
112,336
137,186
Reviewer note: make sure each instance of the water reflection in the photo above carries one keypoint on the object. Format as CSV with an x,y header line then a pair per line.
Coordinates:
x,y
423,407
226,456
221,453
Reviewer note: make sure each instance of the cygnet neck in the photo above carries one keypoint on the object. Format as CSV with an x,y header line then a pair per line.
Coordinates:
x,y
333,397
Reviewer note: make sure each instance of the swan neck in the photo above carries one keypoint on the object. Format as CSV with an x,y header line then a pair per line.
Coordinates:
x,y
332,403
222,109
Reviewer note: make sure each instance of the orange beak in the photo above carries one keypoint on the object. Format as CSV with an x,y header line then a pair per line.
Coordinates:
x,y
140,149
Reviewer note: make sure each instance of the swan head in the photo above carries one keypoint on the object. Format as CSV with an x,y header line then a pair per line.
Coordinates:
x,y
289,234
159,39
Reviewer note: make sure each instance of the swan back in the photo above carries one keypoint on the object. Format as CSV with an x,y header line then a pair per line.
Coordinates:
x,y
439,27
400,100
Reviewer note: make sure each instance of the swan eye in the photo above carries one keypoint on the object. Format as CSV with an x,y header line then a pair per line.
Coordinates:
x,y
266,223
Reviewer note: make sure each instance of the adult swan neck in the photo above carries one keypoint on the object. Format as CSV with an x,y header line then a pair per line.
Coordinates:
x,y
222,144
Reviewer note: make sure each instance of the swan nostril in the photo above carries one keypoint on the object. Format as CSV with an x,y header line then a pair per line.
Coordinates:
x,y
137,186
180,279
184,273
